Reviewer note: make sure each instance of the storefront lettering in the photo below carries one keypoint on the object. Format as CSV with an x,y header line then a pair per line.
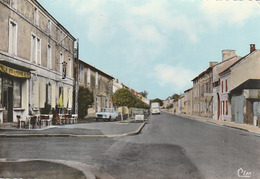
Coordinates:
x,y
14,72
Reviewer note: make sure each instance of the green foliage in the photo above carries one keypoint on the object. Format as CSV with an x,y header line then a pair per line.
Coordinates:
x,y
157,100
175,96
170,106
123,97
85,99
144,94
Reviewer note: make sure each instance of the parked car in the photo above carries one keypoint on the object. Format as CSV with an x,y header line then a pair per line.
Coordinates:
x,y
107,114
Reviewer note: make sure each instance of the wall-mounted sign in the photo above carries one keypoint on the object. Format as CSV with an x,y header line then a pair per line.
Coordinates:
x,y
14,72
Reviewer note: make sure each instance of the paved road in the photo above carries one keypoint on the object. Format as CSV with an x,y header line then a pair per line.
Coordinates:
x,y
168,147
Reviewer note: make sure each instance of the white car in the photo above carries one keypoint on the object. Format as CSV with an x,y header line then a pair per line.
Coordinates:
x,y
107,114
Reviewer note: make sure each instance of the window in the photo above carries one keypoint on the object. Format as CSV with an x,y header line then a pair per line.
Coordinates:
x,y
222,86
227,107
81,73
13,4
49,26
36,49
226,86
89,73
61,38
96,79
223,106
17,94
61,60
49,56
36,16
12,37
69,67
1,99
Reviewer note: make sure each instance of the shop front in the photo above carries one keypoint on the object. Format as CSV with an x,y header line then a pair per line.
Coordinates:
x,y
14,80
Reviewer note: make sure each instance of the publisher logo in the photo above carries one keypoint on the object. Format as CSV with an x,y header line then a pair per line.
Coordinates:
x,y
243,173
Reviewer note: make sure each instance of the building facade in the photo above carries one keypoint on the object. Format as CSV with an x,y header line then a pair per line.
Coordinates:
x,y
36,60
99,83
203,93
221,86
188,101
244,87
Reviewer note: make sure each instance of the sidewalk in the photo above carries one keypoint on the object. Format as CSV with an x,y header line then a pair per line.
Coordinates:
x,y
94,129
245,127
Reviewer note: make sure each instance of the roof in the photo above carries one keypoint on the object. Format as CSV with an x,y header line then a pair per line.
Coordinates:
x,y
241,59
203,73
249,84
188,90
228,63
90,66
53,19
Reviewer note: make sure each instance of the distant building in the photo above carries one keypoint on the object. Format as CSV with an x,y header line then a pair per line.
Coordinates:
x,y
188,101
221,86
98,82
36,60
202,93
245,87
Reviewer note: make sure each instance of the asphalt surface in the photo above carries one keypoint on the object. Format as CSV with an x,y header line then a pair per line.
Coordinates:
x,y
169,146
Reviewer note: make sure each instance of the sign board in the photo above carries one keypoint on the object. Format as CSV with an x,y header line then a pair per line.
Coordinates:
x,y
14,72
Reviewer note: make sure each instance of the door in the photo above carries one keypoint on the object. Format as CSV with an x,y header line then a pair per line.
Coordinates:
x,y
7,100
8,104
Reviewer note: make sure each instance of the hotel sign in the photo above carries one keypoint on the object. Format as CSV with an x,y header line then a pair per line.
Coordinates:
x,y
14,72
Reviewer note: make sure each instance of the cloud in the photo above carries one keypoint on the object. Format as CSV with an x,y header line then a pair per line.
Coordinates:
x,y
229,12
176,77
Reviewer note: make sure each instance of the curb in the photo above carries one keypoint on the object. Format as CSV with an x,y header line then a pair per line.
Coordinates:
x,y
85,169
225,125
77,135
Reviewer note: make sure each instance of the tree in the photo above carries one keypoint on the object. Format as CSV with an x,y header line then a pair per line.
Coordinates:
x,y
85,99
123,97
144,94
175,96
157,100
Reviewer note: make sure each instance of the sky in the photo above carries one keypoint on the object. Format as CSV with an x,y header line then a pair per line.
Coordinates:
x,y
158,46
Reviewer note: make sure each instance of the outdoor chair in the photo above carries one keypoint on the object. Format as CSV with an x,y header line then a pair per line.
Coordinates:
x,y
49,121
74,118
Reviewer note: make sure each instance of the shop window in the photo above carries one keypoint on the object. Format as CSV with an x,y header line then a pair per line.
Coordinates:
x,y
17,94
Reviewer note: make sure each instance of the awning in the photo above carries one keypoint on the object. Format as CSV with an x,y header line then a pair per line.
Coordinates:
x,y
14,69
14,72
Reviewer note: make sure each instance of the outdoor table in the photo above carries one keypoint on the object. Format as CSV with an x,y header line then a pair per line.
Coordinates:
x,y
44,118
62,118
67,118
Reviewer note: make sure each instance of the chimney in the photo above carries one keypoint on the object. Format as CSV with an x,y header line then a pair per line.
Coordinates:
x,y
117,81
252,48
227,54
212,64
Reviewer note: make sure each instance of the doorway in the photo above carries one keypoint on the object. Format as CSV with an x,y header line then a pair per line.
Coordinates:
x,y
8,100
